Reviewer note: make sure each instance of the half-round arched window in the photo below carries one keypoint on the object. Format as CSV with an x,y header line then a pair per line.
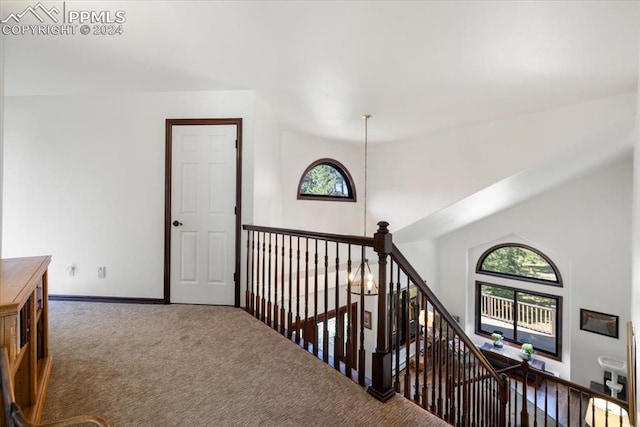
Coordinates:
x,y
519,261
326,179
519,312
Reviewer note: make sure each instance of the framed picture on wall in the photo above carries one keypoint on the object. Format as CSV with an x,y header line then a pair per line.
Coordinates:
x,y
599,323
367,319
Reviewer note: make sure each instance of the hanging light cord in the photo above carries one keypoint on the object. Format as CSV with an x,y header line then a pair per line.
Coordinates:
x,y
366,122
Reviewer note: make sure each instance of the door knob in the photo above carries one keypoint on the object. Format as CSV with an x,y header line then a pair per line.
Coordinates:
x,y
177,223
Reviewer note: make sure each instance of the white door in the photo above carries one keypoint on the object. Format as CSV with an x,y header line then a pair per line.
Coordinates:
x,y
203,195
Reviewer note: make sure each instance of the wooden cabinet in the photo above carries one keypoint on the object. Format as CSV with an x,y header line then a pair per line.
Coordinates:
x,y
24,330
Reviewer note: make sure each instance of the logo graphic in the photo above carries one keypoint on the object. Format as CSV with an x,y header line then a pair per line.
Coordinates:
x,y
34,11
40,20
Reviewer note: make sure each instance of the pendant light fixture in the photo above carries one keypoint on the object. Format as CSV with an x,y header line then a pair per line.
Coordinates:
x,y
363,271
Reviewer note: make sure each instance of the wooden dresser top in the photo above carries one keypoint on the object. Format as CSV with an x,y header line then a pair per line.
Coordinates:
x,y
18,278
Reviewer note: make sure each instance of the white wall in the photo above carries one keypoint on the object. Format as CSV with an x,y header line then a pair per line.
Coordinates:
x,y
298,151
635,295
423,256
2,62
265,166
413,179
585,227
84,182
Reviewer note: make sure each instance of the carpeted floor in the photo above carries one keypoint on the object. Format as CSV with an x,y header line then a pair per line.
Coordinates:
x,y
184,365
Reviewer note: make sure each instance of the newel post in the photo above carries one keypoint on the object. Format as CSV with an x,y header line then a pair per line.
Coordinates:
x,y
380,387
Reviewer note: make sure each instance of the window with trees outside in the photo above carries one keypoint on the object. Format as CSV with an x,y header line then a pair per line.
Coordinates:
x,y
326,179
520,315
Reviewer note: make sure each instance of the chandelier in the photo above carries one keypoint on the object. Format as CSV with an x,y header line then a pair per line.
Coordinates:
x,y
362,281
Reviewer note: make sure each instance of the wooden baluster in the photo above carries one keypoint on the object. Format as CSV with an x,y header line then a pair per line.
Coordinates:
x,y
282,309
447,369
483,402
325,330
263,305
361,352
493,405
348,346
557,401
306,295
254,274
398,328
416,357
581,398
441,351
493,401
434,359
269,307
535,385
474,393
407,343
478,396
464,405
592,415
458,373
568,406
546,400
276,308
524,418
390,318
514,405
315,300
425,351
298,326
258,295
249,288
290,314
509,408
338,339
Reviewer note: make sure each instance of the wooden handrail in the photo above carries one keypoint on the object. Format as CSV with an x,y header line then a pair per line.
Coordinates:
x,y
557,380
268,281
464,376
415,277
339,238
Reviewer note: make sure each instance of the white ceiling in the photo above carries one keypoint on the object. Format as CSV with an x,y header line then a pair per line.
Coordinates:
x,y
418,67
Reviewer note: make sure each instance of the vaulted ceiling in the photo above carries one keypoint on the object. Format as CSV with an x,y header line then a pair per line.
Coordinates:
x,y
417,66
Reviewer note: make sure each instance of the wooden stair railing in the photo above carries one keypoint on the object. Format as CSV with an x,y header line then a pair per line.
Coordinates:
x,y
295,275
12,415
436,363
562,401
295,279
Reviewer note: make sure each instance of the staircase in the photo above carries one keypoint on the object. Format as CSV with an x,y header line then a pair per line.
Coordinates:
x,y
312,288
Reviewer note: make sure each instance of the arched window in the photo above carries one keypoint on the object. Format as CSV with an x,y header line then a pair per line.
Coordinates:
x,y
326,179
514,307
519,261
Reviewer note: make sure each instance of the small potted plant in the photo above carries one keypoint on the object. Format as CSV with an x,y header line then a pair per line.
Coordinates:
x,y
497,339
527,351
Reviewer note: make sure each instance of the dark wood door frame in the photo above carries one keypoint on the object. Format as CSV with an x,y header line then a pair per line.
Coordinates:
x,y
167,198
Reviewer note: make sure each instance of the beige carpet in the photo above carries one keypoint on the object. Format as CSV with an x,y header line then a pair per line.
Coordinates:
x,y
182,365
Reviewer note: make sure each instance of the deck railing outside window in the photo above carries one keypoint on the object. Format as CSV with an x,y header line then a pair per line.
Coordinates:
x,y
530,316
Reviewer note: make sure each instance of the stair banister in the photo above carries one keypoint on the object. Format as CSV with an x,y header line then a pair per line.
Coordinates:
x,y
381,387
408,269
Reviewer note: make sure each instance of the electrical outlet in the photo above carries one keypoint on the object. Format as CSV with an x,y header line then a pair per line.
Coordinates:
x,y
72,269
102,272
